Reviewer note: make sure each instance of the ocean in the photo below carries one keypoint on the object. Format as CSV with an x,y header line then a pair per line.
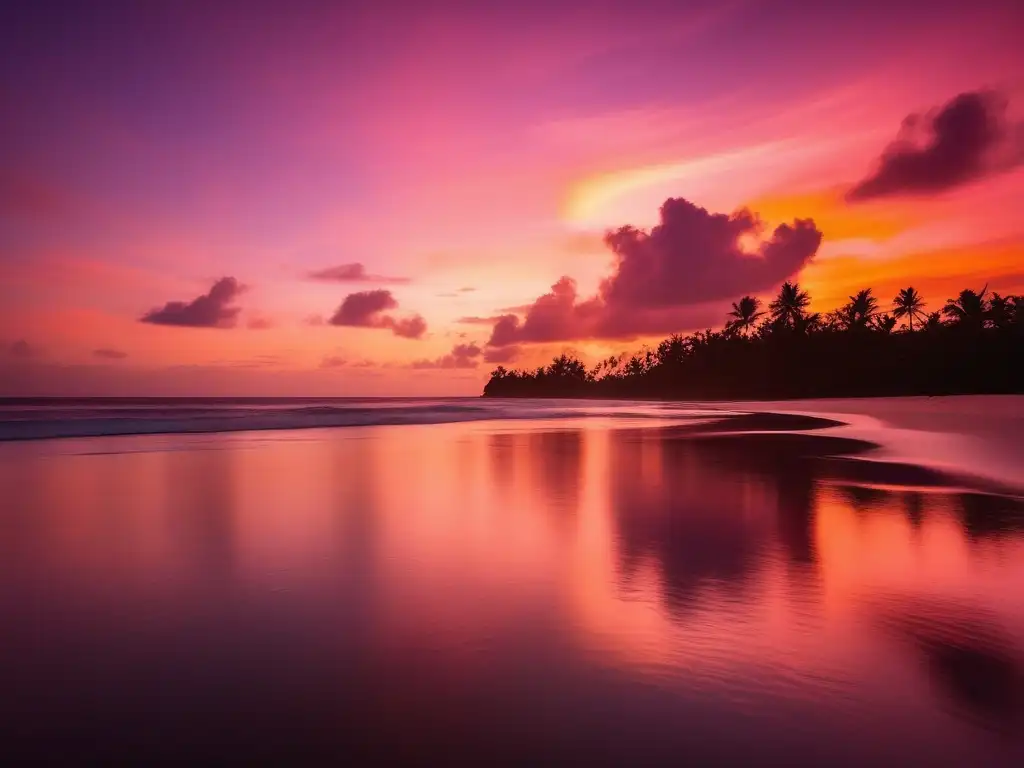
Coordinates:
x,y
515,582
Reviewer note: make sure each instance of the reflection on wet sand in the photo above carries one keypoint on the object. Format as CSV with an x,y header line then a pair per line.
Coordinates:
x,y
675,506
966,653
511,590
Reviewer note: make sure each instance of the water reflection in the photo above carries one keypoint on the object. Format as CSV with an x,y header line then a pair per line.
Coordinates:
x,y
968,656
511,590
676,505
200,507
557,458
988,516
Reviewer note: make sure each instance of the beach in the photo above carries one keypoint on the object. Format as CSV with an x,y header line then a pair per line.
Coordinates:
x,y
817,581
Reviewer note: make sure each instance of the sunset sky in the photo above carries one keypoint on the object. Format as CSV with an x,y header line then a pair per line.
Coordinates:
x,y
383,198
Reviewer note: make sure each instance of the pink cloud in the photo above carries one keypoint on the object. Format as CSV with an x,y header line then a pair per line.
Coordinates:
x,y
675,276
965,139
211,310
461,356
501,354
353,273
365,309
259,323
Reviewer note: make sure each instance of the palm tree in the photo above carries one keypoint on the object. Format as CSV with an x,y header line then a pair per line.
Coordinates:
x,y
860,309
968,309
884,323
745,314
807,323
909,304
1001,311
933,322
672,350
790,305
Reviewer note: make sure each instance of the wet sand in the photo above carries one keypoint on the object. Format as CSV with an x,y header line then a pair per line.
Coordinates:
x,y
751,590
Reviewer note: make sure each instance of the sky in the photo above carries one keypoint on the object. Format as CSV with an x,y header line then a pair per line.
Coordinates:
x,y
384,198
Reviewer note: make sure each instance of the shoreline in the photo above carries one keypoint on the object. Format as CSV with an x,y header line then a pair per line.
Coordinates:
x,y
873,441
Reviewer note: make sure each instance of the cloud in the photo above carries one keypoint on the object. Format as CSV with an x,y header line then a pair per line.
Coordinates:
x,y
353,273
409,327
334,362
501,354
262,323
461,356
21,350
679,275
474,320
109,354
693,256
212,310
963,140
365,309
260,361
362,309
457,293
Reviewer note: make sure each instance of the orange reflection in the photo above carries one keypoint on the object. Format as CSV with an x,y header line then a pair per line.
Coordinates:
x,y
704,561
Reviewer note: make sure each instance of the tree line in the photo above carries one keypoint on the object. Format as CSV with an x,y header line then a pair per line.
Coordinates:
x,y
973,344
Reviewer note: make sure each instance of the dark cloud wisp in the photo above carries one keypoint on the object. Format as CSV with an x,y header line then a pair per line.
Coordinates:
x,y
965,139
501,354
211,310
477,320
109,354
366,309
461,356
353,273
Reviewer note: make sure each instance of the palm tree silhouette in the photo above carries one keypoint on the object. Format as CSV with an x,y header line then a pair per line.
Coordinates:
x,y
968,309
1001,310
884,323
909,304
789,306
933,322
807,323
860,309
807,354
745,314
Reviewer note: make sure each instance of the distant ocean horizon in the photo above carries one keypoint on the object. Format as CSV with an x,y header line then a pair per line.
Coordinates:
x,y
37,418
